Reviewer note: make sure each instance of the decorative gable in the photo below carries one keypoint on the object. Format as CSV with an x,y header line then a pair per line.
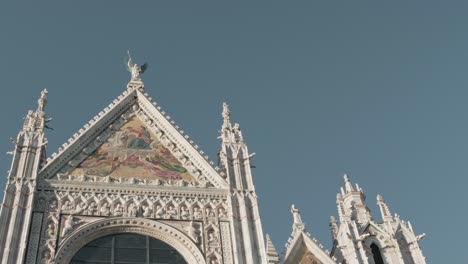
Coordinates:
x,y
304,256
131,141
133,151
305,250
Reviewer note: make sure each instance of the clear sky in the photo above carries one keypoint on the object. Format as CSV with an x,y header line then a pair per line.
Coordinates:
x,y
374,89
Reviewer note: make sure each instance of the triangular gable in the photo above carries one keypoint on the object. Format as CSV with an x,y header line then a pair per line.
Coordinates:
x,y
304,256
133,152
154,149
374,230
304,250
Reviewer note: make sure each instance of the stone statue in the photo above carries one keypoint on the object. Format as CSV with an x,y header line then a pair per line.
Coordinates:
x,y
184,212
209,212
222,212
133,210
80,207
194,232
67,206
118,210
134,69
42,100
105,209
146,211
92,208
171,212
69,225
53,205
212,239
159,211
197,213
51,229
296,215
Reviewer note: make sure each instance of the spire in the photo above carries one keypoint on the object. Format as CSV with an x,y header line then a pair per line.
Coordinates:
x,y
272,254
297,224
35,120
42,102
351,203
230,133
384,210
348,185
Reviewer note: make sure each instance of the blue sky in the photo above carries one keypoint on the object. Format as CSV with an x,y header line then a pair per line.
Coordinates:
x,y
320,88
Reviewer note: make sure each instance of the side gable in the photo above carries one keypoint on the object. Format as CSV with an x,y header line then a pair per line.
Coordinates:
x,y
304,250
167,156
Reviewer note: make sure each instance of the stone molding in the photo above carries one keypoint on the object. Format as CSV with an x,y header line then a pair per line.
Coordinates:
x,y
89,232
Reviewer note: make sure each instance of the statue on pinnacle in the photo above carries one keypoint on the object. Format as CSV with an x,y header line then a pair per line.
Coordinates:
x,y
134,68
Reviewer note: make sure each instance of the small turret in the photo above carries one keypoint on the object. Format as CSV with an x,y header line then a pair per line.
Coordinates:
x,y
272,254
230,133
234,159
28,157
353,203
360,239
36,121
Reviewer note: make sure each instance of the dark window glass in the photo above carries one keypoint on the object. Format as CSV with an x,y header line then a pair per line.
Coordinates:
x,y
376,253
127,249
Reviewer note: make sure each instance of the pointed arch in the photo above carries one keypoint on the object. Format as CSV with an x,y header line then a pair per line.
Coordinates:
x,y
377,255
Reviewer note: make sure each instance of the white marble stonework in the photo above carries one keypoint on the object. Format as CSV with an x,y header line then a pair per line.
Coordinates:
x,y
131,169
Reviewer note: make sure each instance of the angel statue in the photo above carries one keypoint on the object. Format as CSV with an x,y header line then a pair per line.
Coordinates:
x,y
133,68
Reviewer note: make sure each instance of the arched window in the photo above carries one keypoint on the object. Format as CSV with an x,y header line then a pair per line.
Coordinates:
x,y
127,249
376,253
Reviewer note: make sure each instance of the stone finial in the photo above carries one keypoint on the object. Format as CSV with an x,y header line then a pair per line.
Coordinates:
x,y
226,113
42,101
36,120
230,133
348,185
226,127
384,210
380,198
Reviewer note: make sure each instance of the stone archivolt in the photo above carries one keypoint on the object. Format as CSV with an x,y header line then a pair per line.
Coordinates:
x,y
88,232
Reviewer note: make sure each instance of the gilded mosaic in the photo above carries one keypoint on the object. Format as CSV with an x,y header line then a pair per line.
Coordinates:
x,y
304,256
133,152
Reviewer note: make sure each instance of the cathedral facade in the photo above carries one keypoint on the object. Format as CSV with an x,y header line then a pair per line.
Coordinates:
x,y
131,187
